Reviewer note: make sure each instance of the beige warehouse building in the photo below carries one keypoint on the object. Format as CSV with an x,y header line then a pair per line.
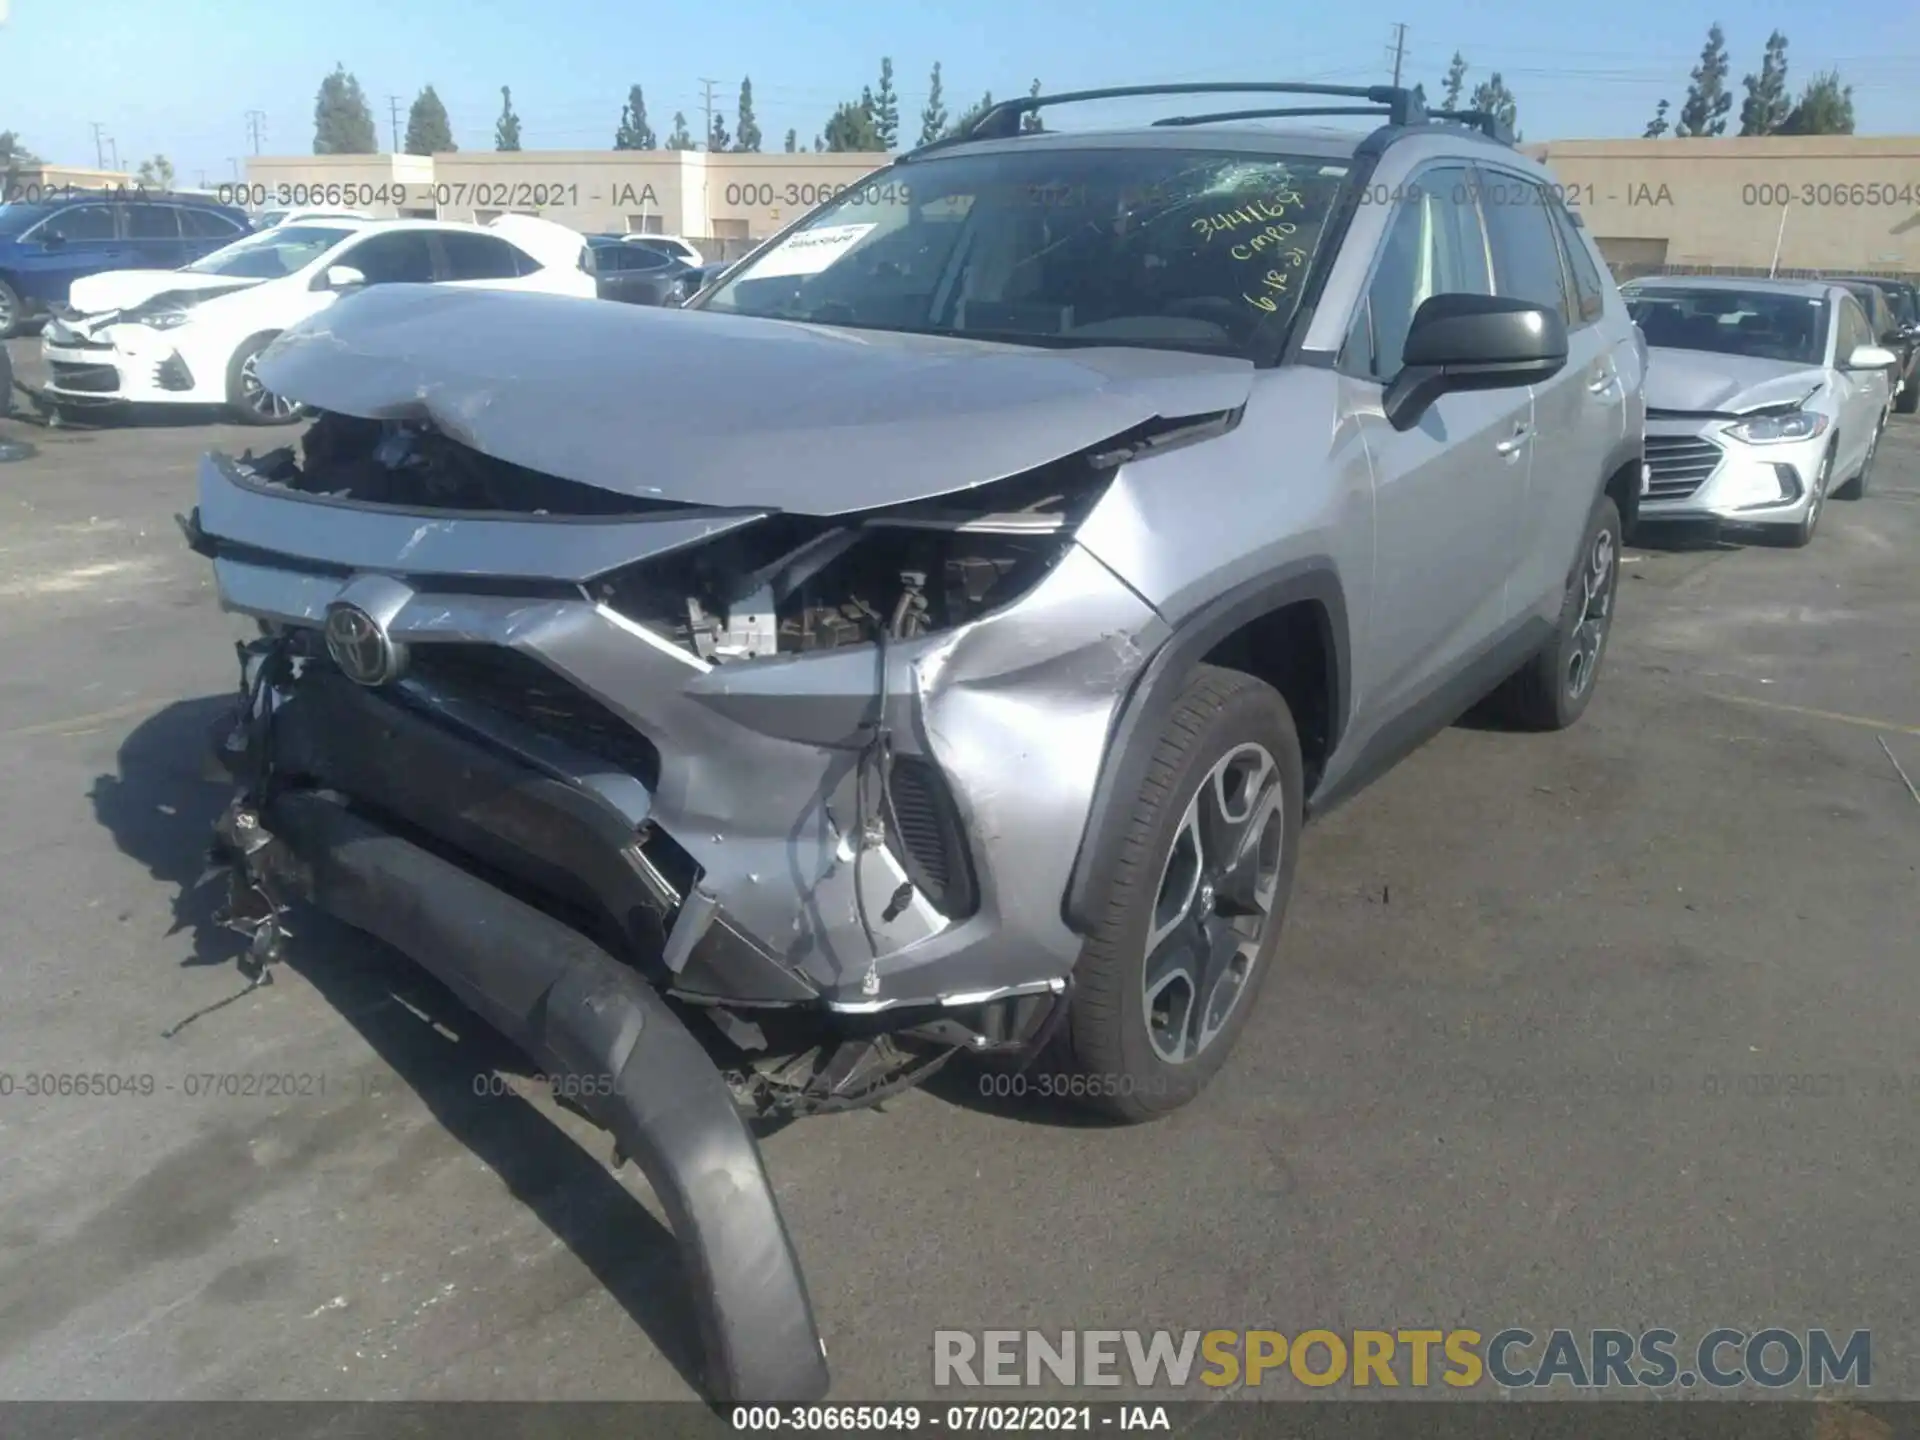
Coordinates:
x,y
1827,203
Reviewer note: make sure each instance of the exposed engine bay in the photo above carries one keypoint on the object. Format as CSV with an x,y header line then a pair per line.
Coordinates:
x,y
785,584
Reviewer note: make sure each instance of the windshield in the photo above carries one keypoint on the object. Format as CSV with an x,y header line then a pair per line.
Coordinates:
x,y
1762,325
271,254
17,217
1170,248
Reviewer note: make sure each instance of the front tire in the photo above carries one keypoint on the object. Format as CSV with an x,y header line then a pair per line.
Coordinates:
x,y
250,402
1909,398
1552,690
1193,912
12,312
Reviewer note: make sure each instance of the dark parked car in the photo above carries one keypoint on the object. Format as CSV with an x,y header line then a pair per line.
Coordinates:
x,y
1903,299
45,245
640,275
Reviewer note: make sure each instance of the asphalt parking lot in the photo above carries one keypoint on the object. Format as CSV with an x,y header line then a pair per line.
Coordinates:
x,y
1614,1028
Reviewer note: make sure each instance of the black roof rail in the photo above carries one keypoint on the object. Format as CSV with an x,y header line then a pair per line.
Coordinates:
x,y
1485,121
1221,116
1002,120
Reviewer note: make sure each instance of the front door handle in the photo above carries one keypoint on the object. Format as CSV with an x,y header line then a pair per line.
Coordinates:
x,y
1514,441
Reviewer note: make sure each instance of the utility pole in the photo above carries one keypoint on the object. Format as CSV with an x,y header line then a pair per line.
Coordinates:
x,y
113,153
1399,51
256,122
706,87
99,146
393,108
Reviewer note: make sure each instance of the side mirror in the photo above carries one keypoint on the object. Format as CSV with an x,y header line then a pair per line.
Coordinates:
x,y
1871,357
343,277
1473,342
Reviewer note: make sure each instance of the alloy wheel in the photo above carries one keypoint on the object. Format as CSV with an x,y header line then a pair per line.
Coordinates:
x,y
7,317
257,398
1215,899
1597,578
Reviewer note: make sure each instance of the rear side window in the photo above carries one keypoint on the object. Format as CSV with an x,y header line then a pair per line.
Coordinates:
x,y
478,257
1526,257
153,222
206,225
1589,292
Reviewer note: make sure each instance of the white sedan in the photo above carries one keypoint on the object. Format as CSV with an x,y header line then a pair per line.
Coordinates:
x,y
192,336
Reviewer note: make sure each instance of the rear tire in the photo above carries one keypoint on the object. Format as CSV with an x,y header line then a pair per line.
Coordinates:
x,y
248,401
1186,936
1552,690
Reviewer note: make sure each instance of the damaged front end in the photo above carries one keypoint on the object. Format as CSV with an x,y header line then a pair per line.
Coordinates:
x,y
740,809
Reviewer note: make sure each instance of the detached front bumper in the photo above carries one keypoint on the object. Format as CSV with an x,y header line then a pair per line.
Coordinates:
x,y
1698,472
587,1019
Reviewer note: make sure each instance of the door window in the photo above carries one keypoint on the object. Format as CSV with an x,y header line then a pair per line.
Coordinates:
x,y
79,222
481,257
206,225
1435,247
1854,329
398,258
1526,257
1589,293
153,222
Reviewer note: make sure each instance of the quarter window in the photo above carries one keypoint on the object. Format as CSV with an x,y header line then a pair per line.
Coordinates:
x,y
1434,247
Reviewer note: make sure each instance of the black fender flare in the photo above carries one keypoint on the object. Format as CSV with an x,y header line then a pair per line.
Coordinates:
x,y
1629,450
1142,716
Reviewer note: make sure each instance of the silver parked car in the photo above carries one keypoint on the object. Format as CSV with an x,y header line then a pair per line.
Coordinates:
x,y
933,640
1763,398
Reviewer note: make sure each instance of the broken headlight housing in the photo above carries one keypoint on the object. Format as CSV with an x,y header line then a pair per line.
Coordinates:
x,y
793,585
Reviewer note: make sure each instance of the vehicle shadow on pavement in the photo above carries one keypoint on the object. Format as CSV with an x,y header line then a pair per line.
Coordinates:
x,y
159,809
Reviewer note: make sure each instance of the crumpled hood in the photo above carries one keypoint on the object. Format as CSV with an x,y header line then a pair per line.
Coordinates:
x,y
123,289
724,410
1697,380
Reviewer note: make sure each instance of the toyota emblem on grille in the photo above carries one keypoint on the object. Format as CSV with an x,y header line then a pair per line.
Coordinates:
x,y
361,647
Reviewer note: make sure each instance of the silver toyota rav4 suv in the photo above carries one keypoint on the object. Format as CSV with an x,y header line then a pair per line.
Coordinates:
x,y
933,639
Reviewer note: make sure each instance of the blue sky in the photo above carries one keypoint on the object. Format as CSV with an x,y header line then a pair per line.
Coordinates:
x,y
178,76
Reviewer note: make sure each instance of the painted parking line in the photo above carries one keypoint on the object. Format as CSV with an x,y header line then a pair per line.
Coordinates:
x,y
1866,721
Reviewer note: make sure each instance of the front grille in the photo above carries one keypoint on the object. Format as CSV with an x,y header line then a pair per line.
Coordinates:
x,y
927,830
523,689
1679,464
95,379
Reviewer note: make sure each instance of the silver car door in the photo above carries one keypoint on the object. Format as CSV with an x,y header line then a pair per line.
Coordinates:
x,y
1447,491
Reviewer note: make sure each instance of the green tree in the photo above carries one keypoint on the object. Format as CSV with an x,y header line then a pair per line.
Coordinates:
x,y
1825,107
793,142
852,128
717,137
1456,81
748,139
429,132
1708,99
1493,98
634,132
971,117
1030,123
886,108
506,130
680,139
933,119
1657,126
1768,104
155,174
342,123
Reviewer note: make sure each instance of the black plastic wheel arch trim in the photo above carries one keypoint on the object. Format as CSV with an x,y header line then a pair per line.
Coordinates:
x,y
1143,714
577,1010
